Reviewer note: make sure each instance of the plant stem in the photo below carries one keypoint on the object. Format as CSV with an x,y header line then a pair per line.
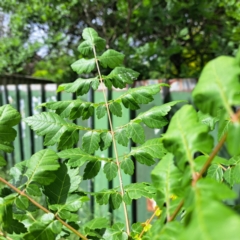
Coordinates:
x,y
42,208
203,170
114,145
148,221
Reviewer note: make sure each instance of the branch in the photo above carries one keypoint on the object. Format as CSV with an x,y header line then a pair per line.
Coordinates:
x,y
42,208
200,174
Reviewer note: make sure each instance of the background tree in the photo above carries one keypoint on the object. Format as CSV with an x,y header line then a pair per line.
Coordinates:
x,y
162,38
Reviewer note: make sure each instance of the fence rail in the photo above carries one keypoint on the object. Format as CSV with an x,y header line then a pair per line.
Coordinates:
x,y
26,93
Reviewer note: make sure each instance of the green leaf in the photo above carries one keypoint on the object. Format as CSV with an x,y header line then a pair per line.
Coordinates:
x,y
22,202
129,102
116,109
83,65
111,59
39,231
138,190
101,111
218,86
153,147
9,116
71,109
216,172
89,34
40,165
106,140
72,203
232,175
103,196
207,120
136,132
116,232
34,190
91,141
154,118
166,179
121,136
214,190
2,161
67,181
115,200
110,169
143,158
91,169
208,221
96,223
53,127
121,76
91,40
80,86
186,136
143,94
168,231
9,224
127,166
233,138
76,156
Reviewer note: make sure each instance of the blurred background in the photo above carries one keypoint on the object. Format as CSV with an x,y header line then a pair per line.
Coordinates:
x,y
161,39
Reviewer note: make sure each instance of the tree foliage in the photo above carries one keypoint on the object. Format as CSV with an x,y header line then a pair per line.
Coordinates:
x,y
161,39
190,182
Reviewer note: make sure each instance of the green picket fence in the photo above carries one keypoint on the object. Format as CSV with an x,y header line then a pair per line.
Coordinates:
x,y
25,94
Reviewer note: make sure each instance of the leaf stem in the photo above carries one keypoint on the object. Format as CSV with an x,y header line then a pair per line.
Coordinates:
x,y
114,144
42,208
203,170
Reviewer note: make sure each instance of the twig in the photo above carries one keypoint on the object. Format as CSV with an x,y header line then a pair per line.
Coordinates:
x,y
203,170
